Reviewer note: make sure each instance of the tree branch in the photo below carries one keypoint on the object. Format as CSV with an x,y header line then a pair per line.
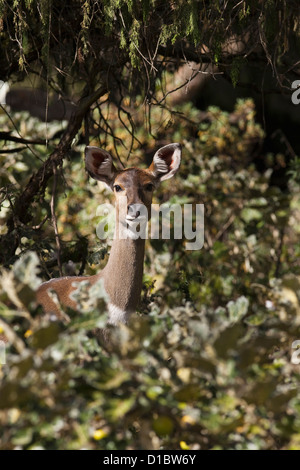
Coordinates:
x,y
6,136
39,179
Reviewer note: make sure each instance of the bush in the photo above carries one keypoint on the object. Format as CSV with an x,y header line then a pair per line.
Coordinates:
x,y
210,361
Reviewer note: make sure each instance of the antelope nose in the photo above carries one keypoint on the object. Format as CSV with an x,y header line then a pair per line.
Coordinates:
x,y
134,211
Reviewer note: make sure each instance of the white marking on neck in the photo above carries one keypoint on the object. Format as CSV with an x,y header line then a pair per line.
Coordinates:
x,y
117,315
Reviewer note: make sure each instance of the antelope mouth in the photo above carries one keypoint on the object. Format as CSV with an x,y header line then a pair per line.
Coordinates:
x,y
135,220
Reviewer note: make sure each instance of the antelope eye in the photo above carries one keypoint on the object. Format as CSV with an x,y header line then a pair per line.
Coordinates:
x,y
117,188
149,187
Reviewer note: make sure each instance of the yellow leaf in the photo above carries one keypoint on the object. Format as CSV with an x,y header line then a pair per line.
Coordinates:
x,y
184,446
186,419
28,333
99,434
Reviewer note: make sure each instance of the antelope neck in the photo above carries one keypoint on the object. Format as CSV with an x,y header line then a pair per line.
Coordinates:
x,y
123,276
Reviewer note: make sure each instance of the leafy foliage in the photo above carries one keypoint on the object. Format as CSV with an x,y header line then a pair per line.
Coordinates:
x,y
109,34
207,363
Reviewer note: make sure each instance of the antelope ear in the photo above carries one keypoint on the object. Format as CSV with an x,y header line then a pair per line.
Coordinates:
x,y
99,165
166,162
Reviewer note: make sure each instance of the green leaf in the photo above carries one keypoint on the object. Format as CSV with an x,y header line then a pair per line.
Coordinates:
x,y
237,309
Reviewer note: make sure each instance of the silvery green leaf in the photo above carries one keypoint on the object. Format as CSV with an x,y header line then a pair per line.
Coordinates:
x,y
237,309
26,269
